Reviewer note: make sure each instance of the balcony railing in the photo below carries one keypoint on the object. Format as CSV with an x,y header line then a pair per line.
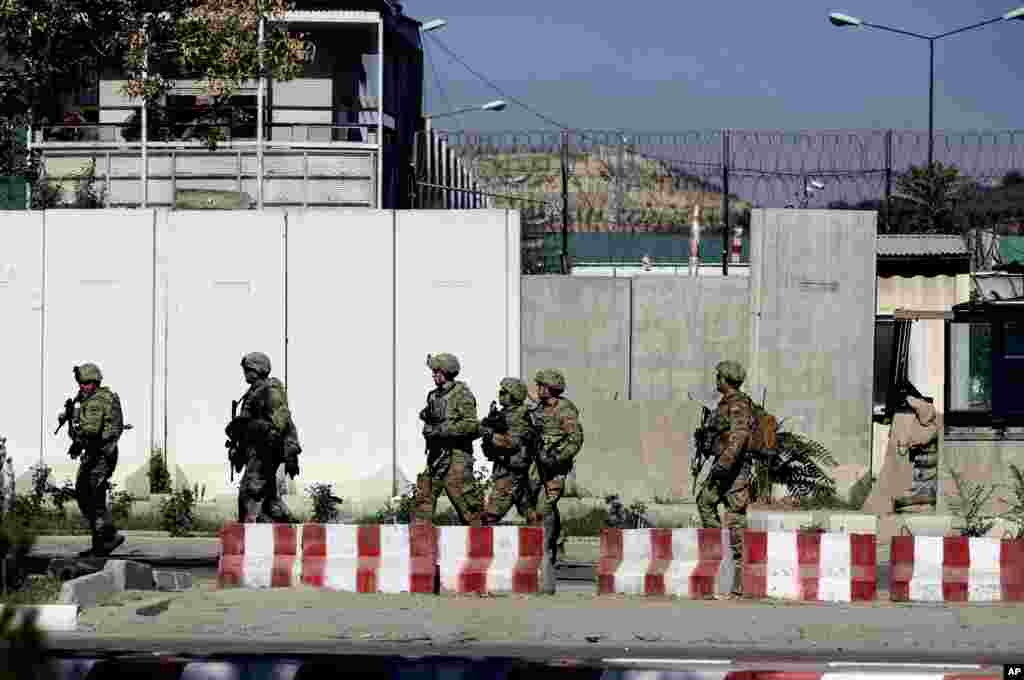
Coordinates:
x,y
329,171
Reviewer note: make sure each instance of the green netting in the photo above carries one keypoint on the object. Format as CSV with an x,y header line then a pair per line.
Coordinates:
x,y
1011,249
624,248
13,193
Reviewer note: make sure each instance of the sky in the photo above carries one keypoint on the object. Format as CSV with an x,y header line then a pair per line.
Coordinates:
x,y
658,65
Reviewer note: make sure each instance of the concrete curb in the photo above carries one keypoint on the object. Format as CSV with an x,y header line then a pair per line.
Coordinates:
x,y
115,577
50,618
153,607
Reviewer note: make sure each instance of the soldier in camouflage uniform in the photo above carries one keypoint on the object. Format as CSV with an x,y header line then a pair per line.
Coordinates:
x,y
95,427
511,453
729,482
561,439
450,426
265,428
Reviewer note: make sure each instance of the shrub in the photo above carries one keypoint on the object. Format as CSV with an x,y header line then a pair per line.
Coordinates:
x,y
159,475
799,466
177,513
968,505
61,496
1016,512
325,510
120,503
398,511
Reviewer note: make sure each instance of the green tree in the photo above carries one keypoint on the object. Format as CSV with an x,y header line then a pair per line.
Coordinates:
x,y
53,46
931,194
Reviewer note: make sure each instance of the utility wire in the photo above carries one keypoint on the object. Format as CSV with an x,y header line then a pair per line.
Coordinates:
x,y
437,81
497,89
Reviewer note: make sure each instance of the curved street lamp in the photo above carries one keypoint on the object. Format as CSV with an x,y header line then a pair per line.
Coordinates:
x,y
433,25
496,105
845,20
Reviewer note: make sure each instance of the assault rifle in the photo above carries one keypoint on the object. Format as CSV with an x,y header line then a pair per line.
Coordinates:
x,y
702,458
67,416
236,441
493,424
433,450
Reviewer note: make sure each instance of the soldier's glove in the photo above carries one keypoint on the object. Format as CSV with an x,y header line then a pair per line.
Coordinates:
x,y
291,466
431,431
425,414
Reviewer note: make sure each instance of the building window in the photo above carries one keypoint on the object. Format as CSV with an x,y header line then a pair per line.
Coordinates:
x,y
970,367
885,339
1009,370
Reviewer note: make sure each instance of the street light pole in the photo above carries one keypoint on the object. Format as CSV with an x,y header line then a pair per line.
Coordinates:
x,y
931,102
843,20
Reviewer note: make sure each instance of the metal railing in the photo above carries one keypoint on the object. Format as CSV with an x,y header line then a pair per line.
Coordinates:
x,y
345,171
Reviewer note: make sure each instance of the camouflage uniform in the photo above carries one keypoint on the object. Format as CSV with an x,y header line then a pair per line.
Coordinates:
x,y
561,440
729,483
270,439
512,453
450,426
95,427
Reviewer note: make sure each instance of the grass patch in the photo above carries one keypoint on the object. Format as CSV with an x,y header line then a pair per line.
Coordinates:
x,y
151,521
588,524
35,590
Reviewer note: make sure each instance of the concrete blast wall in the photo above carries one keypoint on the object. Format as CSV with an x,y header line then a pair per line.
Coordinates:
x,y
347,304
633,348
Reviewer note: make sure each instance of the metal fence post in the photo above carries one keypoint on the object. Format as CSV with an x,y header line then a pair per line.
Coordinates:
x,y
565,203
888,180
725,202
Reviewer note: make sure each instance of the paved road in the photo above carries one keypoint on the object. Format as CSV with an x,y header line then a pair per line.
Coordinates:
x,y
307,620
294,666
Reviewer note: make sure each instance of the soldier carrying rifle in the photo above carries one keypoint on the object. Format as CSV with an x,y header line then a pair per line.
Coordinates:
x,y
449,427
95,423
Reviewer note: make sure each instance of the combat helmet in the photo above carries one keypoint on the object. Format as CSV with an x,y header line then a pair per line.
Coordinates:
x,y
87,373
257,361
551,377
516,389
732,372
444,362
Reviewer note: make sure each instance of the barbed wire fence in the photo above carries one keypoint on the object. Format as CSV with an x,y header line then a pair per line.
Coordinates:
x,y
608,196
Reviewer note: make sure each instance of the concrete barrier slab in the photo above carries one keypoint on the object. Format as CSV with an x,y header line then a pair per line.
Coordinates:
x,y
928,525
853,523
130,575
172,581
776,520
88,590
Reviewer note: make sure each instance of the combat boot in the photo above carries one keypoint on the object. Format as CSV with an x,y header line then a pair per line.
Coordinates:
x,y
108,544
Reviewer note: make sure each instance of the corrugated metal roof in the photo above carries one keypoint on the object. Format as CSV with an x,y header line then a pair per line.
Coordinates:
x,y
914,245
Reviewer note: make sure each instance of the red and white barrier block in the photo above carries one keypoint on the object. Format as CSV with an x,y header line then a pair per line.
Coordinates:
x,y
502,559
956,569
690,563
810,566
259,556
389,558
